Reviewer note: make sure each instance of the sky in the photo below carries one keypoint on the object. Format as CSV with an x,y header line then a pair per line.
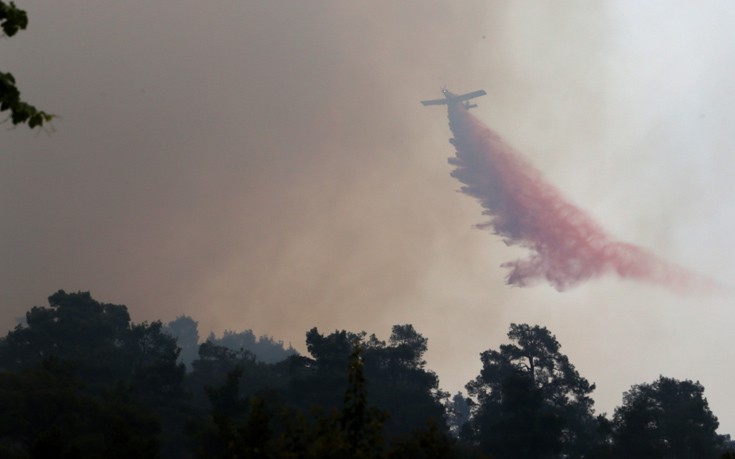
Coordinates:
x,y
268,166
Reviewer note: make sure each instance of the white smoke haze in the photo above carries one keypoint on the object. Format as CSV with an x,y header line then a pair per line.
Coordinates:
x,y
268,166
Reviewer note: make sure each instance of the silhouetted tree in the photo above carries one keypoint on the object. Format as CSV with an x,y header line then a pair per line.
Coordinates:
x,y
331,351
320,381
530,391
77,328
407,347
361,425
106,351
666,419
400,383
100,340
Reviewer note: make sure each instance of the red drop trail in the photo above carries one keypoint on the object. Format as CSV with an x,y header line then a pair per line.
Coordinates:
x,y
567,247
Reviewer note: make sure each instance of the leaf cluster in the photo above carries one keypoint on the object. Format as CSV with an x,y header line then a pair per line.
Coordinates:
x,y
13,19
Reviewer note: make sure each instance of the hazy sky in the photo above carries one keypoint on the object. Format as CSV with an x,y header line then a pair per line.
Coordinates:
x,y
267,165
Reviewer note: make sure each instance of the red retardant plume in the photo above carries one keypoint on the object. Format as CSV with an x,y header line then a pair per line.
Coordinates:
x,y
567,247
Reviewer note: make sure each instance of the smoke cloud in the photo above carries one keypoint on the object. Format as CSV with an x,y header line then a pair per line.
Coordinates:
x,y
267,166
567,246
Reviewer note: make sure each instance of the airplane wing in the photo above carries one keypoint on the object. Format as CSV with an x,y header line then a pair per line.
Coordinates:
x,y
451,97
434,102
472,95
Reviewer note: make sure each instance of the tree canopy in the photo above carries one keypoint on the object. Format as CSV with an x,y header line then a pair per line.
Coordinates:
x,y
529,400
99,338
667,418
80,379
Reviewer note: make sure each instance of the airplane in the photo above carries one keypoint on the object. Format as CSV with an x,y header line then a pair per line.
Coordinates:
x,y
451,97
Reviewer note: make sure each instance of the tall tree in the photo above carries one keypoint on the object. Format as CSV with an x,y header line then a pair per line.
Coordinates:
x,y
530,391
361,425
666,419
400,383
13,19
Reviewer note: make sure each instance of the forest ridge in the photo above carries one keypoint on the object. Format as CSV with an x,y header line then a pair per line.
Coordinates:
x,y
79,379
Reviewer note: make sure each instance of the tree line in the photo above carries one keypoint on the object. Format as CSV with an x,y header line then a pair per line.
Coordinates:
x,y
79,379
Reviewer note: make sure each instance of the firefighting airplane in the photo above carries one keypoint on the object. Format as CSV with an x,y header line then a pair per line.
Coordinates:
x,y
450,97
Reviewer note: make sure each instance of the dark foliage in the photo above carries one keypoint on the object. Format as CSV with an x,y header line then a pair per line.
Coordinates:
x,y
529,401
354,430
397,378
12,20
105,352
105,348
46,413
80,380
666,419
